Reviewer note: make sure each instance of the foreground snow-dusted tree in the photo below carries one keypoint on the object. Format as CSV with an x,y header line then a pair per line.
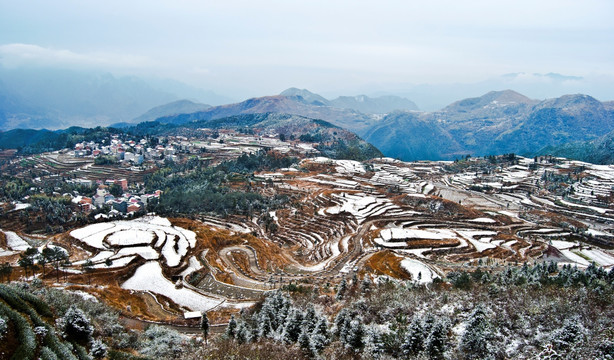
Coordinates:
x,y
476,342
161,342
204,325
75,325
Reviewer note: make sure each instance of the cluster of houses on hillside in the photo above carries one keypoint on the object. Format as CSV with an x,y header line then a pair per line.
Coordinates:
x,y
221,142
125,204
134,152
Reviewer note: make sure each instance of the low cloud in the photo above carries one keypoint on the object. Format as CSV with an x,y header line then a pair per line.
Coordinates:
x,y
15,55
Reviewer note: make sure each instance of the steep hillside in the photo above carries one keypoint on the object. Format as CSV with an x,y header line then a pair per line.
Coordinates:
x,y
361,103
599,151
30,141
408,135
38,97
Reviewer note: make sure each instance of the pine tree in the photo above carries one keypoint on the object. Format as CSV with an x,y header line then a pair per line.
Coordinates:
x,y
435,344
476,341
414,337
75,325
341,290
292,328
243,332
304,339
231,329
264,325
321,327
374,343
98,349
318,343
309,320
255,328
354,338
365,285
204,325
340,321
320,336
571,333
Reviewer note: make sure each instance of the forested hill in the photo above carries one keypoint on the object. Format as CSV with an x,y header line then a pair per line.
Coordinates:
x,y
29,141
599,151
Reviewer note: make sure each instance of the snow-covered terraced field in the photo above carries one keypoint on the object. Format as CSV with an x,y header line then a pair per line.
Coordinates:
x,y
118,239
360,205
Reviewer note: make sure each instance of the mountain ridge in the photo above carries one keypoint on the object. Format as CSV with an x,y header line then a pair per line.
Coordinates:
x,y
497,123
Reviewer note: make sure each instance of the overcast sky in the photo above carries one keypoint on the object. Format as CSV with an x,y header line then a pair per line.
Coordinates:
x,y
249,48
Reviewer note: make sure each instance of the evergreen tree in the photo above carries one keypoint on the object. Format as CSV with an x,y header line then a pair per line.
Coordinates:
x,y
75,325
231,329
318,343
292,328
374,343
354,338
264,325
365,285
414,337
319,336
88,267
243,333
476,341
304,340
436,341
342,322
341,290
26,260
98,349
321,327
571,333
204,325
309,319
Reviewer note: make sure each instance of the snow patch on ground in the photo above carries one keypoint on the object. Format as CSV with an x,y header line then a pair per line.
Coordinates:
x,y
483,220
601,257
562,245
579,260
15,242
130,238
149,277
419,271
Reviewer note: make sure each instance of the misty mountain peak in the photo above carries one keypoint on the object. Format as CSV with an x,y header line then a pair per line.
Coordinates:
x,y
492,99
305,96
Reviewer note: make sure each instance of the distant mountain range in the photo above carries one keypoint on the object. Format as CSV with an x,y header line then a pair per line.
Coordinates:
x,y
362,103
54,98
496,123
172,108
